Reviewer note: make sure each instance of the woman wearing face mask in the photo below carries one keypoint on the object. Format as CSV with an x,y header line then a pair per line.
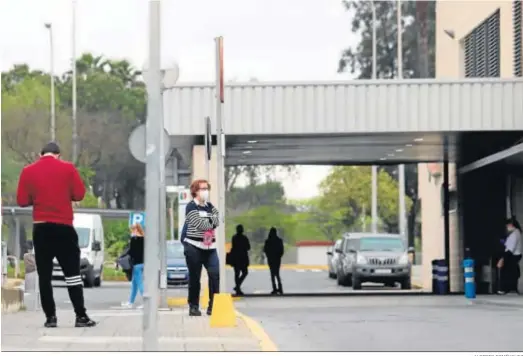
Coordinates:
x,y
198,237
509,263
136,249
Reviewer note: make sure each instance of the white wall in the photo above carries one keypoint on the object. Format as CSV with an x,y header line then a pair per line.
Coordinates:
x,y
312,255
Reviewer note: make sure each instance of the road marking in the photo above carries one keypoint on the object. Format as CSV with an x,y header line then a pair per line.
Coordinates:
x,y
127,312
266,344
299,270
138,339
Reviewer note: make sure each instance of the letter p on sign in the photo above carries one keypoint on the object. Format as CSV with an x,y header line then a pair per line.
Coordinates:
x,y
137,218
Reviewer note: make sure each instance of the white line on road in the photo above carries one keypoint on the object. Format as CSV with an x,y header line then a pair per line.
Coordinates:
x,y
138,339
128,312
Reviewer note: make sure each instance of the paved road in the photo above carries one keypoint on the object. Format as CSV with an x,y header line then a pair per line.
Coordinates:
x,y
297,281
420,323
112,294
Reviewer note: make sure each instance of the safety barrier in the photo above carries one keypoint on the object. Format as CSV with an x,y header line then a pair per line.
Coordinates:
x,y
470,283
440,276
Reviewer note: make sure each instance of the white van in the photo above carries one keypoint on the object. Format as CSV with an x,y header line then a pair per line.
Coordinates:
x,y
90,232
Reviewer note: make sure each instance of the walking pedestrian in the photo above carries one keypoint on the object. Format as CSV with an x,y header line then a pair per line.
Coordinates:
x,y
198,237
50,185
509,263
240,248
136,252
273,249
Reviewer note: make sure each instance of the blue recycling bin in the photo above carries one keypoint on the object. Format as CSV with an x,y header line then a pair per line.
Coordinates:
x,y
440,278
469,275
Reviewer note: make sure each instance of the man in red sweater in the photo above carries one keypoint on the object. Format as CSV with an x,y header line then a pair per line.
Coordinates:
x,y
50,185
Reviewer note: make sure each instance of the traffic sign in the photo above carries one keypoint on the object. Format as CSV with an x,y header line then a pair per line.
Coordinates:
x,y
137,217
137,144
184,197
208,137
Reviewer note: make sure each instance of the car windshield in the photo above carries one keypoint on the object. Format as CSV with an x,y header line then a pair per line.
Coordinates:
x,y
381,244
174,251
83,236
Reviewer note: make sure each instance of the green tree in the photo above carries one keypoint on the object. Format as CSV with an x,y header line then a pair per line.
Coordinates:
x,y
347,191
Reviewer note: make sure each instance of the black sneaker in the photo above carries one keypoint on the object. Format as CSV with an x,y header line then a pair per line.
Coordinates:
x,y
194,311
84,322
209,311
51,322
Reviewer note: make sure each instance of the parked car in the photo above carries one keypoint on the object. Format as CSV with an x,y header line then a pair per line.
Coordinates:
x,y
177,271
90,232
378,258
332,258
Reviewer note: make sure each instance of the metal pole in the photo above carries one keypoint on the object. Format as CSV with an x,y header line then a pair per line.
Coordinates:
x,y
220,164
446,207
171,218
152,177
73,59
51,55
162,220
374,203
401,167
17,246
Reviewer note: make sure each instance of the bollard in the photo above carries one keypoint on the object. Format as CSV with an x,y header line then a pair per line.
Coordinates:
x,y
470,283
434,276
442,276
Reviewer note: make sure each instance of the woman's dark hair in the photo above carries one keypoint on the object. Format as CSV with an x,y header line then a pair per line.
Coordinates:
x,y
239,229
273,233
514,222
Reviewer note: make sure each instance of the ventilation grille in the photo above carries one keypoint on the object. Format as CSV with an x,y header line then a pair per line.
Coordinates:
x,y
517,19
482,49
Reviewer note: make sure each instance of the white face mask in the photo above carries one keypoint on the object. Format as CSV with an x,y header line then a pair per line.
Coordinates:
x,y
204,195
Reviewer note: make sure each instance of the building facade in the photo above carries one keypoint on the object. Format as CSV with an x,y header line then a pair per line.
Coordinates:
x,y
474,39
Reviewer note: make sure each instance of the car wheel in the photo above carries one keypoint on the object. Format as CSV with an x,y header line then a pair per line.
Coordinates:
x,y
98,280
89,278
356,283
340,279
405,284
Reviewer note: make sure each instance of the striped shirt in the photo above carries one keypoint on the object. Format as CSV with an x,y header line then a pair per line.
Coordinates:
x,y
199,219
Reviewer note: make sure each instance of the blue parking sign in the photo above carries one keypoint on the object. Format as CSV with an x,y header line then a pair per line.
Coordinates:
x,y
137,217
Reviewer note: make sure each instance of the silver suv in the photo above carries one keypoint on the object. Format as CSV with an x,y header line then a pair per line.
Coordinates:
x,y
378,258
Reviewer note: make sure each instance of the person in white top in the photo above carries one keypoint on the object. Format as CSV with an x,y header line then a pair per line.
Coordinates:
x,y
509,263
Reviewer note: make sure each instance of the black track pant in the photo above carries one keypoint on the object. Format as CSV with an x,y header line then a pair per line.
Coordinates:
x,y
61,241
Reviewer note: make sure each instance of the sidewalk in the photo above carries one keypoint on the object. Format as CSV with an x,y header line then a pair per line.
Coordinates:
x,y
121,330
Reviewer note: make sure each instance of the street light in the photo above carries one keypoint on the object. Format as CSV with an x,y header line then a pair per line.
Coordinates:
x,y
49,26
73,60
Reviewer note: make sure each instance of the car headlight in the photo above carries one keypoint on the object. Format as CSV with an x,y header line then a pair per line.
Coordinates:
x,y
361,260
404,259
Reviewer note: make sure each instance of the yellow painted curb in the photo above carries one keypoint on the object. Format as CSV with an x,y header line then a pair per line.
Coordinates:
x,y
266,344
288,267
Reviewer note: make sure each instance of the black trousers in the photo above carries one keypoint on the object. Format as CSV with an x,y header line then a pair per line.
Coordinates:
x,y
240,273
274,267
510,273
197,258
61,241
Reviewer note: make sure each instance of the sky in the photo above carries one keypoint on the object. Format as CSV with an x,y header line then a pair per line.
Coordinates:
x,y
270,40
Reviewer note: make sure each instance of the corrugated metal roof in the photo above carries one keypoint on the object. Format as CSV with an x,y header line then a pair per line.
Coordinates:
x,y
349,106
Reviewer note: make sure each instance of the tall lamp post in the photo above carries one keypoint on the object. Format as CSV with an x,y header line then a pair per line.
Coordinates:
x,y
401,168
73,63
49,26
374,205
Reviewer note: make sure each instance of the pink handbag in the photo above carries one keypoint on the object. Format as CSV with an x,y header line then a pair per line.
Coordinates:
x,y
208,236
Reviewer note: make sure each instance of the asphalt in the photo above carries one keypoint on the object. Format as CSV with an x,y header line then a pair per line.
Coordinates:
x,y
296,281
366,323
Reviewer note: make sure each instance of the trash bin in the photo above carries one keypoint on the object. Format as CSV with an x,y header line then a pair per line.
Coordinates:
x,y
440,278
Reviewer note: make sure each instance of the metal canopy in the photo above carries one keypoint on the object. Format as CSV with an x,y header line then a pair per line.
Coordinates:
x,y
511,156
390,148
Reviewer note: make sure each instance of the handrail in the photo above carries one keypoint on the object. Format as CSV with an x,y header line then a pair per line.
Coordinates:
x,y
105,213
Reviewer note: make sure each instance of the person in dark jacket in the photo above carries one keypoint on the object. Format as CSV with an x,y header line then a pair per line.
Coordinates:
x,y
509,263
51,185
273,249
198,237
240,258
136,252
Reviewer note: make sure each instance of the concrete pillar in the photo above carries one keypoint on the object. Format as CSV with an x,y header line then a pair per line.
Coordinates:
x,y
432,228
